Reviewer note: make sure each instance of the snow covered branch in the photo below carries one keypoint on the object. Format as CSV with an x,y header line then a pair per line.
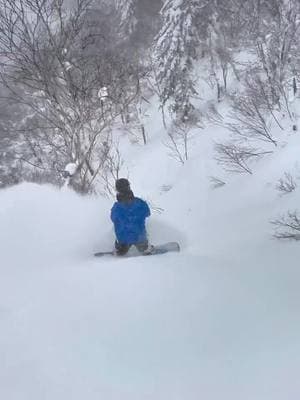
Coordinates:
x,y
287,226
236,158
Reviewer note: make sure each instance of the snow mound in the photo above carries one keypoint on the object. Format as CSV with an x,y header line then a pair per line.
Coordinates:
x,y
42,223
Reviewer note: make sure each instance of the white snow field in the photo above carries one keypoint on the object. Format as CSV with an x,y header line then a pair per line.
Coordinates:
x,y
218,321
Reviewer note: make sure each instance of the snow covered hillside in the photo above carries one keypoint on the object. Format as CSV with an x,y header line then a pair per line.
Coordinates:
x,y
220,320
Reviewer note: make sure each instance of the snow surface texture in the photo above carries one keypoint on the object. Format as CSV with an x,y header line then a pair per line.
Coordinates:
x,y
220,320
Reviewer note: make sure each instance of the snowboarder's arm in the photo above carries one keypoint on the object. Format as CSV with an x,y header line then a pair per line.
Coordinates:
x,y
147,210
114,213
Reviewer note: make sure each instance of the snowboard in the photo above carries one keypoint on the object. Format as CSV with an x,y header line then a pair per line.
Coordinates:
x,y
158,249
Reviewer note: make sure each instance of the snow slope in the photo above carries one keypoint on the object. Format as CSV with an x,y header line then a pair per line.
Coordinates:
x,y
220,320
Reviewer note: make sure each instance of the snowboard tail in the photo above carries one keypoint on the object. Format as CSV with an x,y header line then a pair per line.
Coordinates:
x,y
158,249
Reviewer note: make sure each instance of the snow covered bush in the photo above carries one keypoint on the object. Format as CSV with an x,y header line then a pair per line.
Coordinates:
x,y
236,157
287,184
287,226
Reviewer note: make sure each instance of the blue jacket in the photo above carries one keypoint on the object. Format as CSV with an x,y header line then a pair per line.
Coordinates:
x,y
129,221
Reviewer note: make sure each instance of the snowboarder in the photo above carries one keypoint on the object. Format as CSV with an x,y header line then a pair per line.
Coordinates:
x,y
128,215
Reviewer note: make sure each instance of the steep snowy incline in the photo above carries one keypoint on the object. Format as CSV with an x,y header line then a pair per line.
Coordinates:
x,y
218,320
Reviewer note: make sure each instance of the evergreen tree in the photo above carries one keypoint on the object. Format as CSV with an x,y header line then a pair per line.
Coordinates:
x,y
127,12
175,49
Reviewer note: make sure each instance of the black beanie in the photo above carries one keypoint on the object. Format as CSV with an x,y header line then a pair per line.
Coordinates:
x,y
124,194
122,185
